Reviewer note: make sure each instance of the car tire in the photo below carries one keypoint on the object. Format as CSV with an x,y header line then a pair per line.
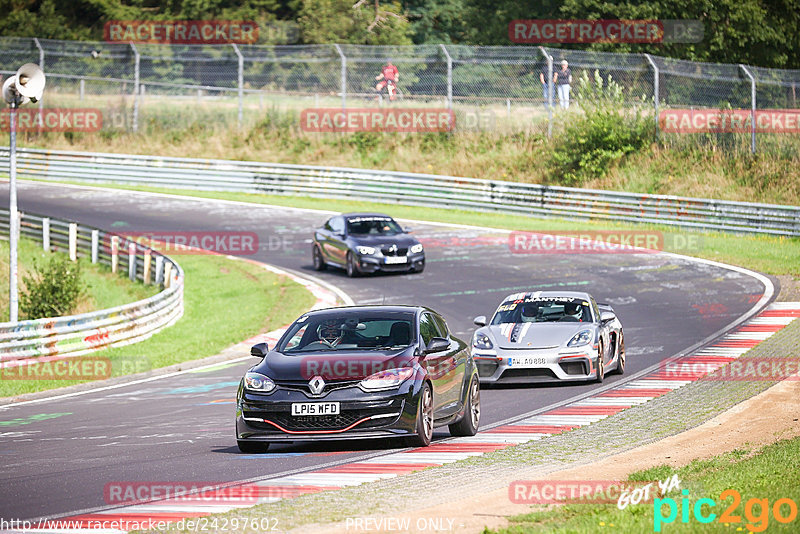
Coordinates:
x,y
352,269
316,258
252,447
468,425
601,368
621,358
424,423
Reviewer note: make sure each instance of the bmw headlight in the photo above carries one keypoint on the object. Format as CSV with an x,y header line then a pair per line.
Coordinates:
x,y
481,341
366,251
584,337
389,379
416,249
258,382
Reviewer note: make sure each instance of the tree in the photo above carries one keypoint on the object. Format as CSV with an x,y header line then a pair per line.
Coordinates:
x,y
437,21
347,21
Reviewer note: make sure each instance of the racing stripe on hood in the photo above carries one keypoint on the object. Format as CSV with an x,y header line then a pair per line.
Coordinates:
x,y
505,329
513,336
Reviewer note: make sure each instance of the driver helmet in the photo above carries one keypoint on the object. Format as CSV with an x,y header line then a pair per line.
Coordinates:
x,y
528,312
572,309
329,330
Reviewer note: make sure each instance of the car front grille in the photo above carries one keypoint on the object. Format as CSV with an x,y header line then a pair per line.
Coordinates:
x,y
305,388
539,372
386,251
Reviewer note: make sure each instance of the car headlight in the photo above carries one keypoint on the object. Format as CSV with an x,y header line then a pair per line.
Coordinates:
x,y
366,251
258,382
416,249
389,379
481,341
583,337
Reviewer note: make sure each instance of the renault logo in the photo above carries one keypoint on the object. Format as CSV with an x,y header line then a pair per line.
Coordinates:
x,y
316,385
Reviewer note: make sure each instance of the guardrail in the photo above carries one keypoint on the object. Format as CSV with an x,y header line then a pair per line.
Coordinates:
x,y
408,188
75,335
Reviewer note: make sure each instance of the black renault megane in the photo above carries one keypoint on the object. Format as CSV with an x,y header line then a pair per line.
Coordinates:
x,y
366,243
359,372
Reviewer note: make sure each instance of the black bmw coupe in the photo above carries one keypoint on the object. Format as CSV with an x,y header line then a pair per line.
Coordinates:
x,y
359,372
366,243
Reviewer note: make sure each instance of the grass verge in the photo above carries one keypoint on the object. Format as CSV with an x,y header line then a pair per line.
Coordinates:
x,y
758,477
767,254
104,289
226,301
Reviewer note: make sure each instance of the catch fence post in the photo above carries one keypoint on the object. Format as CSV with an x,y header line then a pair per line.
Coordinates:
x,y
449,76
241,81
752,108
656,91
136,90
343,75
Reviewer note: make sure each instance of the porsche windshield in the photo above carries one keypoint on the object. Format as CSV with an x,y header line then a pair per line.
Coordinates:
x,y
373,226
539,310
349,331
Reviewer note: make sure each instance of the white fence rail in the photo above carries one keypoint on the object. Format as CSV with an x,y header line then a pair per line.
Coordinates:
x,y
408,188
75,335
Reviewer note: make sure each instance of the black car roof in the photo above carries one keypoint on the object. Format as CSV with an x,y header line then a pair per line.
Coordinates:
x,y
377,308
364,214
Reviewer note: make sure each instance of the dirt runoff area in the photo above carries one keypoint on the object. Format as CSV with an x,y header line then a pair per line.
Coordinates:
x,y
761,420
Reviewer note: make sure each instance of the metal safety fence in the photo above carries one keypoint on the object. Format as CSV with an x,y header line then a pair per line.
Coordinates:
x,y
75,335
150,86
408,188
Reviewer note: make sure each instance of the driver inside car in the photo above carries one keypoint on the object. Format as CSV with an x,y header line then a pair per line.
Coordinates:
x,y
528,313
573,312
330,333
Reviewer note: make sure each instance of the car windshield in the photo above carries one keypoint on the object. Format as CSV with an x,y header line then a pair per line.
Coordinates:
x,y
349,330
543,309
373,226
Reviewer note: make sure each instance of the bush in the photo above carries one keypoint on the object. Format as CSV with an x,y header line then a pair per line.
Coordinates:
x,y
53,289
606,132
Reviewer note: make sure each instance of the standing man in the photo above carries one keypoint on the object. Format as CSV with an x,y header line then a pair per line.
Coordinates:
x,y
389,75
563,79
544,78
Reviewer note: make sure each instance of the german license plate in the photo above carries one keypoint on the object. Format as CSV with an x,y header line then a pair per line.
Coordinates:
x,y
396,259
527,361
315,408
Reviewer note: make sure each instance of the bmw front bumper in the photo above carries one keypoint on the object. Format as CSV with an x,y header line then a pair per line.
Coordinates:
x,y
375,263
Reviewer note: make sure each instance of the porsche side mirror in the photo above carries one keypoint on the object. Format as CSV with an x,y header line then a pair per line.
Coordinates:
x,y
607,316
480,320
260,350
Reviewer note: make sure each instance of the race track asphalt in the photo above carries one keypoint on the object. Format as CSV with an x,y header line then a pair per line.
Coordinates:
x,y
58,455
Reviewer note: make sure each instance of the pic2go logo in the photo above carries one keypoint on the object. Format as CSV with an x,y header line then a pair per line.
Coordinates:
x,y
756,511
